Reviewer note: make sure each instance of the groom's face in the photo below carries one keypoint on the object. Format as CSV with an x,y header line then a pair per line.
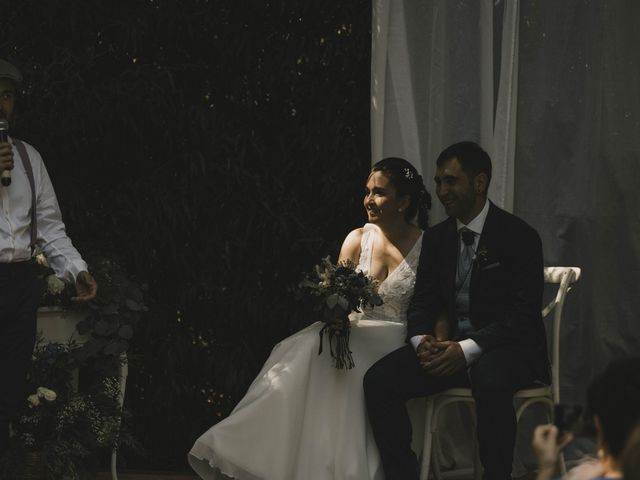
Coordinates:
x,y
455,190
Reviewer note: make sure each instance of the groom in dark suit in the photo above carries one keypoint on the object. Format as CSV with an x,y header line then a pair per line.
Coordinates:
x,y
474,320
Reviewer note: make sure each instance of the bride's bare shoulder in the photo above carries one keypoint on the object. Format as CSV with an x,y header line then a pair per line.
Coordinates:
x,y
351,246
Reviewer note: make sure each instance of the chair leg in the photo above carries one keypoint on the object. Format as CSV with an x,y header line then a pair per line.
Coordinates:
x,y
436,448
124,373
477,464
437,473
425,464
547,402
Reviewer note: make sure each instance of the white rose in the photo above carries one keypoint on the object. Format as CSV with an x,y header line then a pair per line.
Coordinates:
x,y
42,260
33,400
50,395
54,285
47,394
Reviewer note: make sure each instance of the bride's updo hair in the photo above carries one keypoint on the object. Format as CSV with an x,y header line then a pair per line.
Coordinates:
x,y
407,181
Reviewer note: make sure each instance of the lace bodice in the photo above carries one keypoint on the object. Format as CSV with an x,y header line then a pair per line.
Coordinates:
x,y
396,290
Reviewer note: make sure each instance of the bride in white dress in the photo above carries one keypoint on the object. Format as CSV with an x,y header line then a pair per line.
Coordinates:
x,y
302,419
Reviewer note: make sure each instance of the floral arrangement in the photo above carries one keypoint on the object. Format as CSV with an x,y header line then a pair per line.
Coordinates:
x,y
71,417
71,428
55,291
337,290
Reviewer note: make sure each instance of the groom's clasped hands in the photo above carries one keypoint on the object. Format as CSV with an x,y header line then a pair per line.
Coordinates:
x,y
440,357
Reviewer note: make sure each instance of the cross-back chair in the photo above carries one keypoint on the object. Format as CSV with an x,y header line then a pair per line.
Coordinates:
x,y
547,395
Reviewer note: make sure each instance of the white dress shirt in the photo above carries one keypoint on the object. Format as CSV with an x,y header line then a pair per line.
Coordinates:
x,y
15,219
470,348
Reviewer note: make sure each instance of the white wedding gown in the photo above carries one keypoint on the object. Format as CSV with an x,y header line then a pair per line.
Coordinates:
x,y
302,419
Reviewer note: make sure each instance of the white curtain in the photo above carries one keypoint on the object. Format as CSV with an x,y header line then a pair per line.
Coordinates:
x,y
447,70
578,175
432,84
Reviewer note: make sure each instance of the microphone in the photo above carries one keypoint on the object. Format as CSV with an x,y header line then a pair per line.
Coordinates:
x,y
5,179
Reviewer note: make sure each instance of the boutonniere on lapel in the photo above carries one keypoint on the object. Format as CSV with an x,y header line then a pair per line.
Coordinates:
x,y
482,257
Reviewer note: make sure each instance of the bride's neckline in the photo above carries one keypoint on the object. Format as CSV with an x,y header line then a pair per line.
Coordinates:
x,y
404,259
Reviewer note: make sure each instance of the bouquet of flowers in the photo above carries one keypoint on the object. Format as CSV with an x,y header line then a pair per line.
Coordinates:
x,y
338,290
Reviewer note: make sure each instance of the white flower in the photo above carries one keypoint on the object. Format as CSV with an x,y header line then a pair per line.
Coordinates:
x,y
47,394
55,286
33,400
42,260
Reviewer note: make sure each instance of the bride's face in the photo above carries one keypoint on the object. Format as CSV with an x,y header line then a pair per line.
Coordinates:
x,y
381,200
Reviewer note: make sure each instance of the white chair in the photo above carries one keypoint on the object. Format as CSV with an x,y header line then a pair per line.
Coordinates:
x,y
564,277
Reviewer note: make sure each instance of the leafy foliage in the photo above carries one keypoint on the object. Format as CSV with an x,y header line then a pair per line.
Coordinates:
x,y
72,429
219,147
115,312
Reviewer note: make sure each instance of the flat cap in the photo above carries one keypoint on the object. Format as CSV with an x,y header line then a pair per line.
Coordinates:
x,y
9,71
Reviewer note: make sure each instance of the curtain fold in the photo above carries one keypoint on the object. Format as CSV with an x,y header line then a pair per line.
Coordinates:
x,y
563,117
578,149
433,85
504,131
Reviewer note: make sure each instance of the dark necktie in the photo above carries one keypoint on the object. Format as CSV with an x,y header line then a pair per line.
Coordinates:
x,y
466,256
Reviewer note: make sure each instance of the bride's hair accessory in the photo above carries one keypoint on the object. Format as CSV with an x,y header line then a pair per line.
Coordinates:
x,y
408,173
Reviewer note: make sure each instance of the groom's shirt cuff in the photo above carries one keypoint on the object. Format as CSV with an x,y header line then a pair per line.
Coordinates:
x,y
415,341
471,350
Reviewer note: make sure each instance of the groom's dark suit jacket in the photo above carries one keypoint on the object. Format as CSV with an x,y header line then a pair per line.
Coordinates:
x,y
505,291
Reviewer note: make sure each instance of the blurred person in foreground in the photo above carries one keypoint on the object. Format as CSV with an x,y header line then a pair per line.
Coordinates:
x,y
613,404
29,217
630,460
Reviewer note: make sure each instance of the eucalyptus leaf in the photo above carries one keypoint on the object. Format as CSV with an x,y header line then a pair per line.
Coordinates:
x,y
83,327
123,346
126,332
110,309
101,327
343,302
133,305
112,348
332,300
91,348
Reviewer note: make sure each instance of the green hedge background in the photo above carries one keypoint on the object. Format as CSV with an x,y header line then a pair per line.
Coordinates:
x,y
219,148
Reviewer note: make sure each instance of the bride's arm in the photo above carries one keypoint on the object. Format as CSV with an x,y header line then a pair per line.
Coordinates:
x,y
351,247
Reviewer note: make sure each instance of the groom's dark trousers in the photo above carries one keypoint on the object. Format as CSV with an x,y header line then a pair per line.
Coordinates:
x,y
494,379
505,303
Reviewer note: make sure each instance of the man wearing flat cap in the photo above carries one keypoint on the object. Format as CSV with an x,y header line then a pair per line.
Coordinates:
x,y
29,218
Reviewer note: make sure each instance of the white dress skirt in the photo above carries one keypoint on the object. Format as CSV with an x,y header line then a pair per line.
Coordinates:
x,y
303,419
